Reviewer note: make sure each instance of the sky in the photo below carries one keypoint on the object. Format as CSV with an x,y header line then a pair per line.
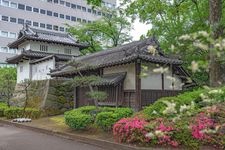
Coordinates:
x,y
138,28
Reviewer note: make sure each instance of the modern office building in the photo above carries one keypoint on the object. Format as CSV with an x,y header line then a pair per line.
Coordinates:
x,y
50,15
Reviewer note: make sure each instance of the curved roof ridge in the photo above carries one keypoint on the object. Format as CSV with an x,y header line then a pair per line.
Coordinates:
x,y
117,49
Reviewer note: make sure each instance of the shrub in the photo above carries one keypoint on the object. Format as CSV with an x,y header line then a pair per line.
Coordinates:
x,y
77,120
131,130
16,112
3,106
105,120
184,100
86,109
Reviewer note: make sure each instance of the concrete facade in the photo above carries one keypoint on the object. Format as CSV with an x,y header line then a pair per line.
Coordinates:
x,y
48,15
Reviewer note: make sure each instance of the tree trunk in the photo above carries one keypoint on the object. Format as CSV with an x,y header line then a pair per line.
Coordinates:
x,y
215,14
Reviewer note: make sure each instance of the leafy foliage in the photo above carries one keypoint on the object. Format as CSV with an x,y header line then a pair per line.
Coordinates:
x,y
105,120
77,120
104,117
7,82
110,31
16,112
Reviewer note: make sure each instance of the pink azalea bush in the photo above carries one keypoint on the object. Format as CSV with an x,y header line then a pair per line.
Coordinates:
x,y
131,130
209,126
201,124
167,132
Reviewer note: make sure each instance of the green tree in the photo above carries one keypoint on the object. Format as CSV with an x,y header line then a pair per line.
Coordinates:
x,y
7,83
86,81
109,31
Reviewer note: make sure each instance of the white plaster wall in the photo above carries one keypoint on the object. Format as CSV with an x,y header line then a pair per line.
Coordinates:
x,y
129,82
25,74
40,70
25,45
54,48
152,80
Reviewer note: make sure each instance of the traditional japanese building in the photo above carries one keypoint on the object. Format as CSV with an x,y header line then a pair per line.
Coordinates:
x,y
40,51
133,75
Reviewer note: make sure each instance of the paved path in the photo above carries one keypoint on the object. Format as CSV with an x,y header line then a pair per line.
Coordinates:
x,y
12,138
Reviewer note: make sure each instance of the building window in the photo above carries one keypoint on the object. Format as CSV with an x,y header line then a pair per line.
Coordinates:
x,y
89,10
78,7
42,11
12,35
28,22
78,19
4,49
50,1
62,2
43,48
5,3
67,17
62,16
13,5
67,51
5,18
89,21
84,9
28,8
49,13
12,19
94,12
21,68
99,13
67,4
20,21
35,24
4,33
56,28
84,21
12,51
36,10
21,6
49,26
73,6
56,14
62,29
56,1
42,25
73,18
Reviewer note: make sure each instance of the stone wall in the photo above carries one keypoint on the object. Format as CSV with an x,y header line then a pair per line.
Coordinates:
x,y
51,96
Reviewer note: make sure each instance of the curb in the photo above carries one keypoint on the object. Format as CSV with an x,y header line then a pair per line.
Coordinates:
x,y
91,141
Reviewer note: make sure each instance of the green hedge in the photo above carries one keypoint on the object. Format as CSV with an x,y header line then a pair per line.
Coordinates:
x,y
3,106
104,118
16,112
76,120
156,110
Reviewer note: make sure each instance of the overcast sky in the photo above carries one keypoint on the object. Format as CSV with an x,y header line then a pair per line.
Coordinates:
x,y
138,28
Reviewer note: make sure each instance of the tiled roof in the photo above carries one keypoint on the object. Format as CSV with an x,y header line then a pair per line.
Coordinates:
x,y
119,55
110,79
28,33
5,55
37,55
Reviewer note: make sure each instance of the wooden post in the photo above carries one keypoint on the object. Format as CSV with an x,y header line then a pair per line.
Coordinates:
x,y
137,85
74,98
116,96
162,75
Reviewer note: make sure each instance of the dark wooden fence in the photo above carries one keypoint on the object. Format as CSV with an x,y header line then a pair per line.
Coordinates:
x,y
150,96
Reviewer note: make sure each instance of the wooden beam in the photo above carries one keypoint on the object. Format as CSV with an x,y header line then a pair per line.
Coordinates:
x,y
137,85
162,76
